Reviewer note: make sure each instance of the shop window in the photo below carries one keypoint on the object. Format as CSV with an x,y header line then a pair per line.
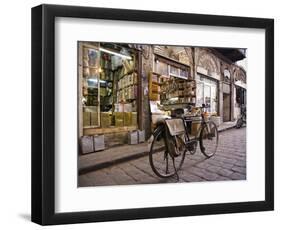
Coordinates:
x,y
161,68
240,95
169,68
207,94
109,88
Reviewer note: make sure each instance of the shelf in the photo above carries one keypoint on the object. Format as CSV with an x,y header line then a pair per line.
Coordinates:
x,y
179,103
157,83
126,87
132,71
91,67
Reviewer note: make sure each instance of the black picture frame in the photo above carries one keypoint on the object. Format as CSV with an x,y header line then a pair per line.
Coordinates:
x,y
43,114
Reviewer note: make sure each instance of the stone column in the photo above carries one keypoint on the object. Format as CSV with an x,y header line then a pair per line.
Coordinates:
x,y
232,91
220,98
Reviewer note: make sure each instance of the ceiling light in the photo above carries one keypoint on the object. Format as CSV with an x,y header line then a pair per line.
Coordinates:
x,y
114,53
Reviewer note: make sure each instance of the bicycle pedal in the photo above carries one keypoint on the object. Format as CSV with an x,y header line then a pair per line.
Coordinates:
x,y
191,145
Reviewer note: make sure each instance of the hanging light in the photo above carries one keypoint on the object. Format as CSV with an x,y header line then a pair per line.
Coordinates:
x,y
115,53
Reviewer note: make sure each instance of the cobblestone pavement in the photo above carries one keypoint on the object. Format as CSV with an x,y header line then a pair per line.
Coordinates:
x,y
229,163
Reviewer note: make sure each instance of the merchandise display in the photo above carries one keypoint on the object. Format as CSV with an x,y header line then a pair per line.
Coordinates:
x,y
109,87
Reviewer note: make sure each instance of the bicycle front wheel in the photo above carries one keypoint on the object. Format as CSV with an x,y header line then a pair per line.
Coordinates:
x,y
209,139
161,162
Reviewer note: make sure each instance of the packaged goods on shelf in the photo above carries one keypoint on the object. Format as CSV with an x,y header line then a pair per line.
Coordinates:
x,y
127,118
155,97
119,119
86,72
127,107
103,91
85,53
135,78
94,119
93,71
134,119
155,78
119,107
135,91
119,115
86,118
90,109
119,122
155,88
105,119
130,79
93,57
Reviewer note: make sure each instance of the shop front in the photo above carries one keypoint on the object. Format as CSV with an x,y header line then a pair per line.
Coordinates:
x,y
108,91
207,93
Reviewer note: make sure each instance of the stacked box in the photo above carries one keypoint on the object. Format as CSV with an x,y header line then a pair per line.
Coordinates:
x,y
105,119
134,119
135,76
94,119
86,118
99,142
127,107
87,144
119,119
90,108
127,118
155,97
141,136
133,138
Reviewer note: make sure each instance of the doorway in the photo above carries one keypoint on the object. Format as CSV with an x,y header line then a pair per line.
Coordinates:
x,y
226,107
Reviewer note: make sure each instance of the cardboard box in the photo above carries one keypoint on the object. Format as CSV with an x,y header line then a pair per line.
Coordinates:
x,y
86,118
134,119
119,115
119,122
99,142
94,119
105,119
133,138
141,136
127,118
87,144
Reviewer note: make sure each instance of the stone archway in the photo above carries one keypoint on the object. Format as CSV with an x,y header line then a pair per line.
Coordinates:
x,y
207,61
240,75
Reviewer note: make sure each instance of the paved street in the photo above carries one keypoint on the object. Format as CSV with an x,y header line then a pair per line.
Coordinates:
x,y
229,163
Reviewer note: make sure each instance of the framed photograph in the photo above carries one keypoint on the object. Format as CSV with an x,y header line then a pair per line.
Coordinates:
x,y
145,114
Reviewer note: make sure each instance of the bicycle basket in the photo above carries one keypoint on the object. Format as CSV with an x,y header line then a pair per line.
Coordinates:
x,y
175,131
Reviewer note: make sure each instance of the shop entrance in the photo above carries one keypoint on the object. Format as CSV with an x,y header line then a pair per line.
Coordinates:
x,y
226,107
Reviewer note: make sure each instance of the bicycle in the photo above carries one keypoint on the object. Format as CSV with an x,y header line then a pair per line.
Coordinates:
x,y
164,162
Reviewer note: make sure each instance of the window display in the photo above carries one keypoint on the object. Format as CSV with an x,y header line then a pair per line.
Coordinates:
x,y
109,87
207,94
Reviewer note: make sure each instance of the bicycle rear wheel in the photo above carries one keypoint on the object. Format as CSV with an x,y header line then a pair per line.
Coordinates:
x,y
209,139
160,160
